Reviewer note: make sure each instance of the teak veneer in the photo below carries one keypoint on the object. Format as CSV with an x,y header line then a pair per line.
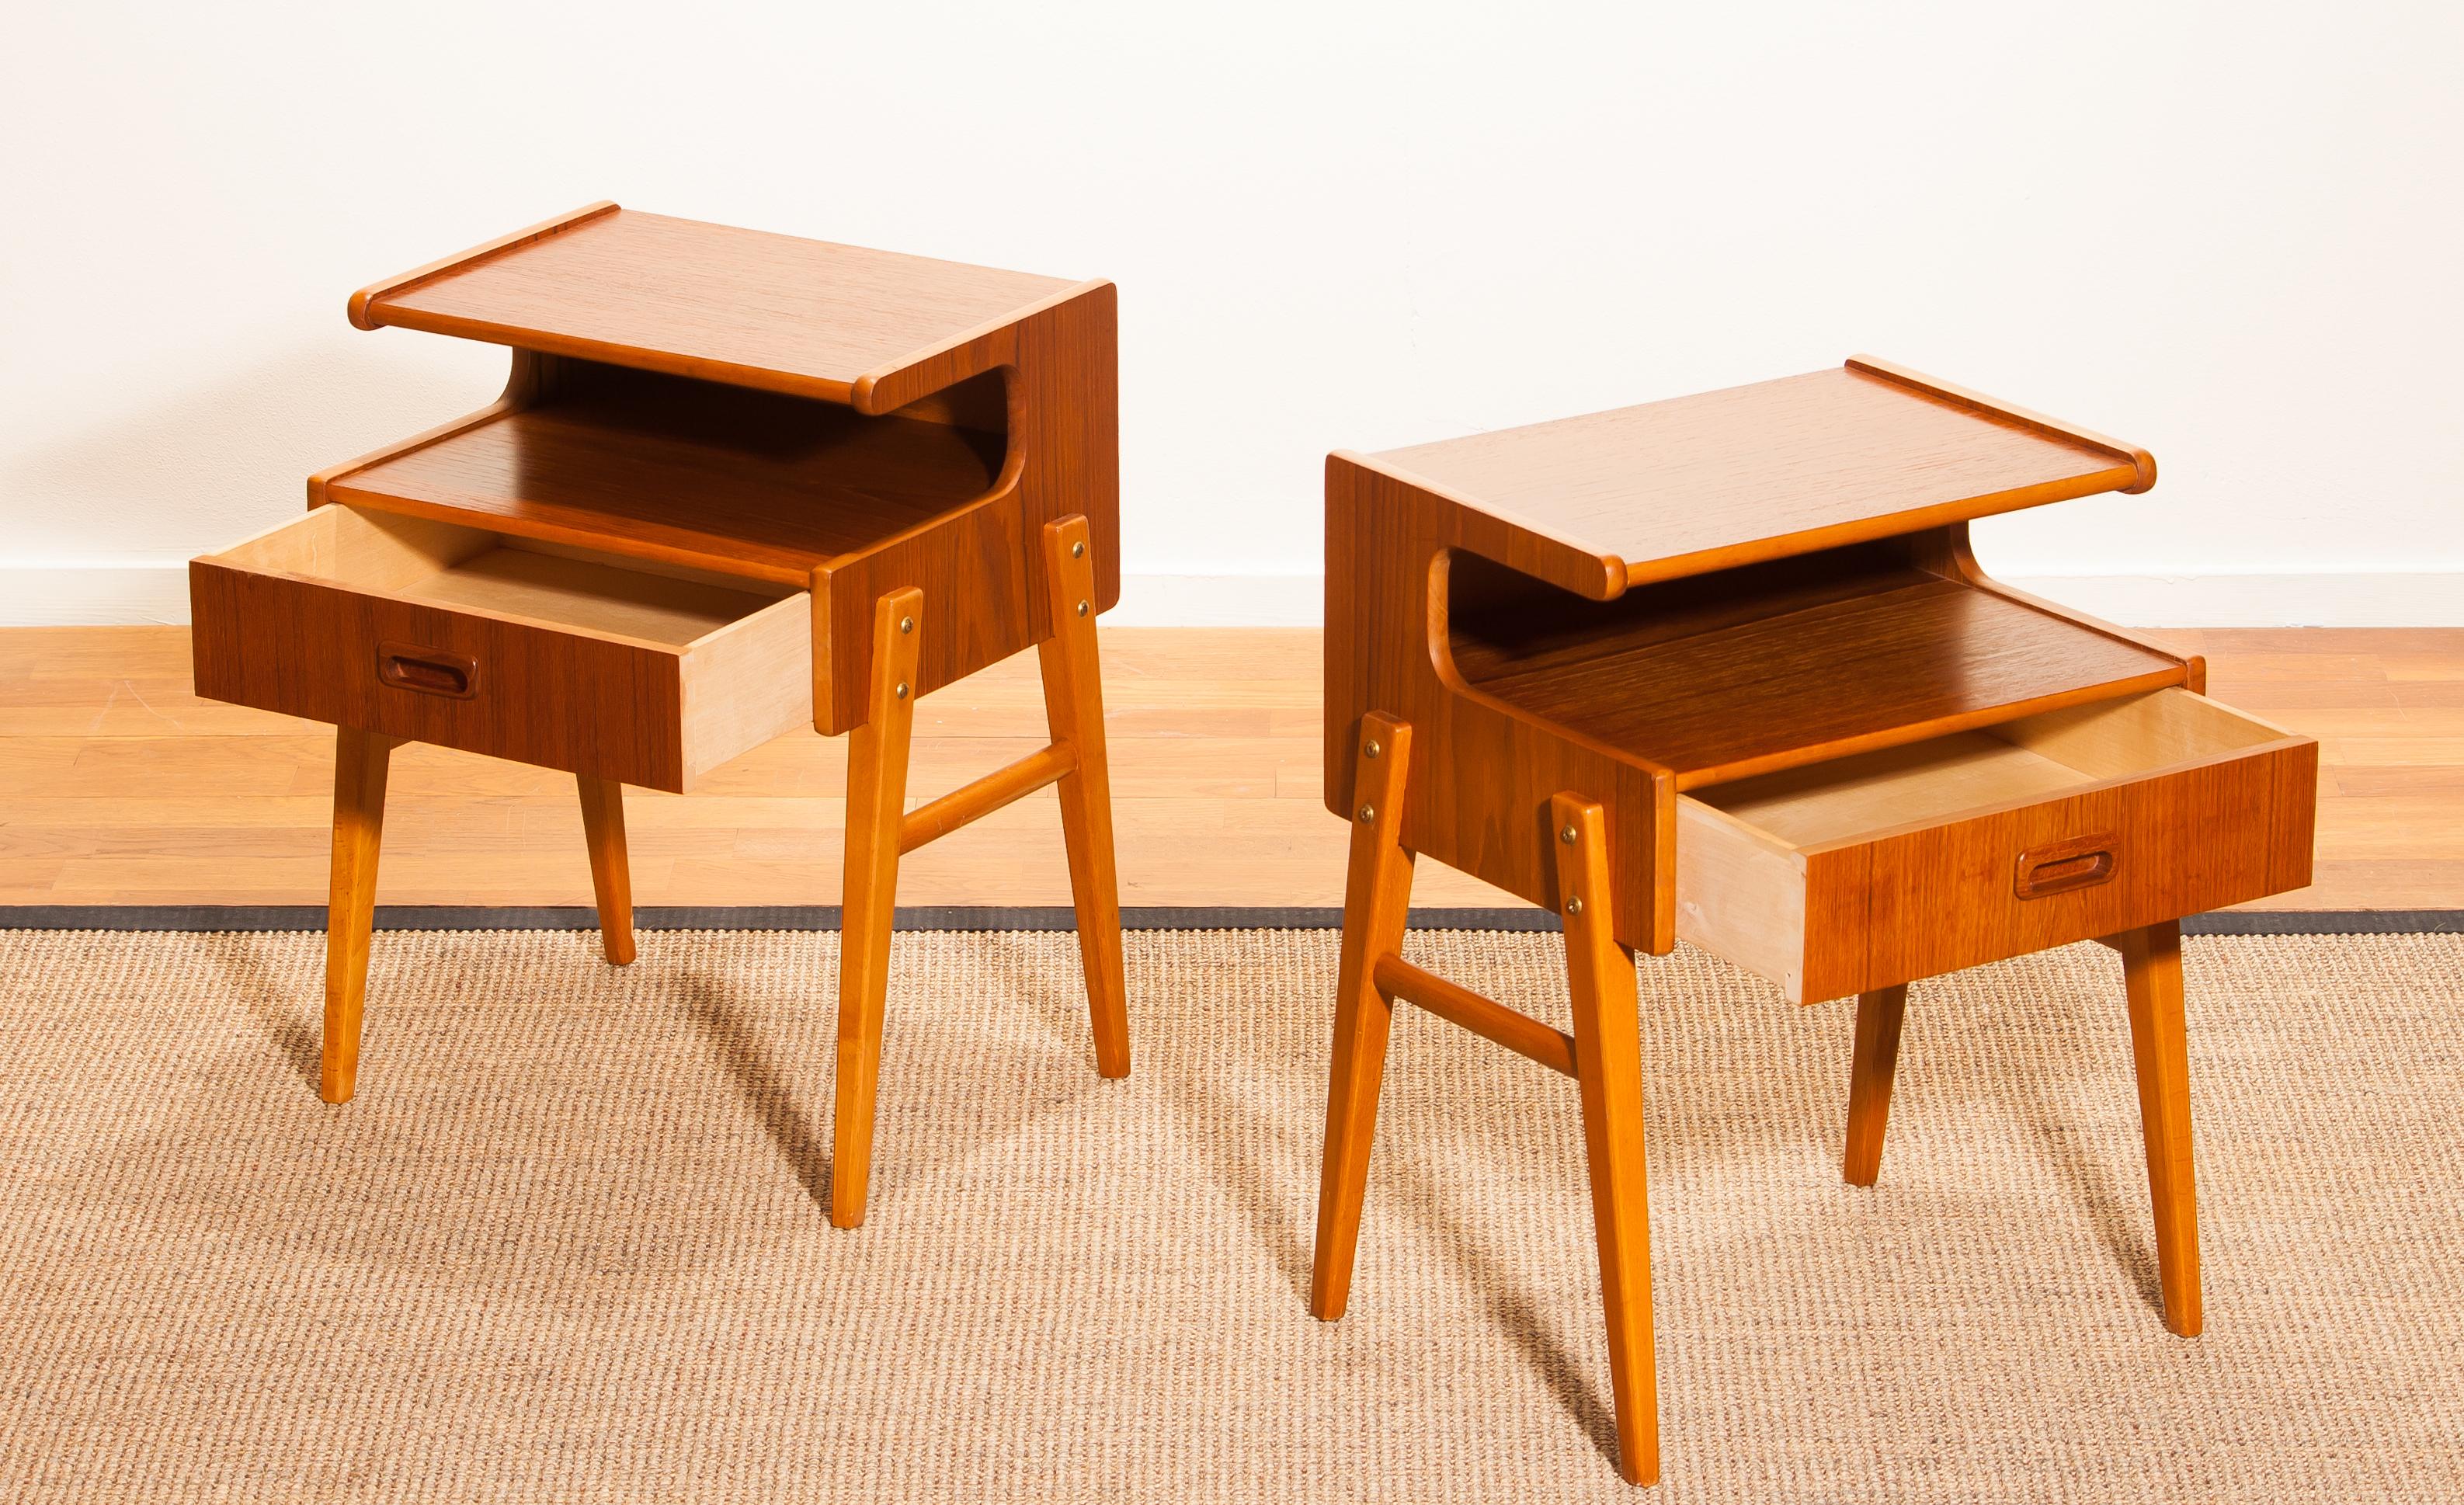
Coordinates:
x,y
1725,668
735,482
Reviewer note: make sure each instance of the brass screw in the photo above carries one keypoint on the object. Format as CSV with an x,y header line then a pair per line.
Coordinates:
x,y
1567,836
1369,814
1371,750
1082,609
907,624
1078,550
1575,905
902,690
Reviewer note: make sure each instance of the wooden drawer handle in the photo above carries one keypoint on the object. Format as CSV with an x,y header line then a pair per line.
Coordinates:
x,y
2062,866
430,671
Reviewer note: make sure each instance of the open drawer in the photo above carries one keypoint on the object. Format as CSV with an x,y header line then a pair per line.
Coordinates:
x,y
518,648
1886,867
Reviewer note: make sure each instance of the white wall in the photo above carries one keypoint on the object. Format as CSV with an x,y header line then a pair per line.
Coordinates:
x,y
2228,233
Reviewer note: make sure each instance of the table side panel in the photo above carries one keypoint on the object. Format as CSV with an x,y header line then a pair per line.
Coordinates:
x,y
1482,775
978,607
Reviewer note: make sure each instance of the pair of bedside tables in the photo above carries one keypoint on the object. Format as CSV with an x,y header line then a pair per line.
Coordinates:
x,y
1721,669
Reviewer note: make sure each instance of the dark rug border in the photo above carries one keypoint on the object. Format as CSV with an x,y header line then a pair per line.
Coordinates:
x,y
974,917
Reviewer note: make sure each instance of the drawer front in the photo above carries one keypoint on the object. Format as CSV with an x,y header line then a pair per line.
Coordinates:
x,y
609,708
2004,884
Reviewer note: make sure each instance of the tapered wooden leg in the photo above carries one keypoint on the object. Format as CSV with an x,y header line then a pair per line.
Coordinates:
x,y
1073,705
1376,899
1869,1081
1608,1066
2151,963
361,760
611,875
876,800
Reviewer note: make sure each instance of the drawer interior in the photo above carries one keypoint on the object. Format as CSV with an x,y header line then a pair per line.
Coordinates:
x,y
525,580
2036,758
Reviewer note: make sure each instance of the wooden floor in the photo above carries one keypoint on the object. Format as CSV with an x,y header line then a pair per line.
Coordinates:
x,y
120,786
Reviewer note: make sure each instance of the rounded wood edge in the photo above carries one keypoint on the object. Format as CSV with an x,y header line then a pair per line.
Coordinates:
x,y
1563,563
361,308
2141,463
902,373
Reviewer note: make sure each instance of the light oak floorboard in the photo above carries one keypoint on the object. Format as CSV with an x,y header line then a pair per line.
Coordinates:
x,y
119,786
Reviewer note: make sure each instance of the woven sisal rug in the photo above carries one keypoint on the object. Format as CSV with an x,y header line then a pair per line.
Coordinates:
x,y
566,1246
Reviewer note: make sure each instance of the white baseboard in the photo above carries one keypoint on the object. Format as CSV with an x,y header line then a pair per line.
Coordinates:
x,y
89,595
1219,601
2357,599
94,595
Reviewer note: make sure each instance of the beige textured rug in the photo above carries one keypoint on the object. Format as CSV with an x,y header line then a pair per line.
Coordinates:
x,y
566,1245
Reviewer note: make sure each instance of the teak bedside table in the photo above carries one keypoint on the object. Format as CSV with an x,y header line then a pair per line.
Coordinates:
x,y
1723,668
738,481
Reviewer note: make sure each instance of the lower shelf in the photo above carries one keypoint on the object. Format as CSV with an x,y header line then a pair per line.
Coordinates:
x,y
740,482
1728,675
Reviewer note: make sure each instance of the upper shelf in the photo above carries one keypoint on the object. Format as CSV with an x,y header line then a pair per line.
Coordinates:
x,y
1753,473
740,306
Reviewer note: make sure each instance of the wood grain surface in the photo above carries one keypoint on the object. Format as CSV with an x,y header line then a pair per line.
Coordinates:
x,y
1608,1068
1916,656
742,306
117,785
1692,484
1871,871
747,483
1486,769
2151,965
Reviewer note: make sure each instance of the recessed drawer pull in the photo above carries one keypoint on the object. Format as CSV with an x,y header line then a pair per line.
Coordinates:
x,y
2062,866
428,670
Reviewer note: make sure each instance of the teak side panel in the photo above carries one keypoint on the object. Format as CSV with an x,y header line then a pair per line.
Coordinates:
x,y
977,608
984,594
606,708
1483,774
1065,431
1760,471
746,307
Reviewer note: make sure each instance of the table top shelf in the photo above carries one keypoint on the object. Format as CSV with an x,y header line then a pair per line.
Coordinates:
x,y
745,307
738,482
1674,488
1716,689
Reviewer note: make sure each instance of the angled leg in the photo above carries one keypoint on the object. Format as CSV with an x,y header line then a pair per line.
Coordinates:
x,y
1869,1081
1608,1066
361,760
1376,898
2151,964
611,875
1073,703
875,802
